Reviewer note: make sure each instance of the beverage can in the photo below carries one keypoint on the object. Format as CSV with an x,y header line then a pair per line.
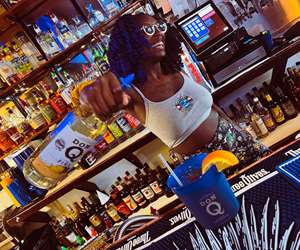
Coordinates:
x,y
124,125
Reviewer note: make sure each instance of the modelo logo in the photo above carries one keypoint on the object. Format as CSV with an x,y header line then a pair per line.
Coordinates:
x,y
212,206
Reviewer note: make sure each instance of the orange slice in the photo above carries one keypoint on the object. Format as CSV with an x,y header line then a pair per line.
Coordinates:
x,y
222,159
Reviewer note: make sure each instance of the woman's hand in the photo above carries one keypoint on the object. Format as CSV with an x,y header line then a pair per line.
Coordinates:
x,y
105,96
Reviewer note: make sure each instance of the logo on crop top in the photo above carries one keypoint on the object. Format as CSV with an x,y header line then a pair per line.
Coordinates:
x,y
184,103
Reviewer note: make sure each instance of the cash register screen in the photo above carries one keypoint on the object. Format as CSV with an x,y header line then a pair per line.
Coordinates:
x,y
203,27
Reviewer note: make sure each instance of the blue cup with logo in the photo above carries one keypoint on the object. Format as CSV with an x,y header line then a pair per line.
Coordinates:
x,y
209,197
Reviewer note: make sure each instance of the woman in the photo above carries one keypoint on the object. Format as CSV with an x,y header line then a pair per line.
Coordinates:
x,y
176,109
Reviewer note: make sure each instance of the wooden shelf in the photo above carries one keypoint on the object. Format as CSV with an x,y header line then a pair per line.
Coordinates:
x,y
68,53
79,175
29,139
289,128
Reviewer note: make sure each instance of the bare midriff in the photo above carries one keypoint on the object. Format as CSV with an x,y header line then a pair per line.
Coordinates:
x,y
203,135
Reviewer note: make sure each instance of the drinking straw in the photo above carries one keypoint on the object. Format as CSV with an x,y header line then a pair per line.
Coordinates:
x,y
165,163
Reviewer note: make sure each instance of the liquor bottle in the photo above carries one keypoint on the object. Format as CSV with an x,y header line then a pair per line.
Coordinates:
x,y
121,206
145,187
59,233
125,195
275,109
19,122
6,143
264,114
133,122
93,217
35,117
82,218
61,149
58,103
48,112
29,50
258,95
113,212
100,210
250,98
152,181
79,223
287,106
67,231
292,91
123,123
116,131
244,122
162,177
256,119
12,131
134,190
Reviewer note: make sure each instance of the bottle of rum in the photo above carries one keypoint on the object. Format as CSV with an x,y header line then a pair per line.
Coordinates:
x,y
256,119
275,109
264,114
288,107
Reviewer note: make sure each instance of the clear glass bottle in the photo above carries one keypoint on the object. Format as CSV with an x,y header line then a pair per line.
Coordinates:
x,y
264,114
65,146
256,119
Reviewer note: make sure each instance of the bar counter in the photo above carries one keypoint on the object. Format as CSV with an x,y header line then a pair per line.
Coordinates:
x,y
269,216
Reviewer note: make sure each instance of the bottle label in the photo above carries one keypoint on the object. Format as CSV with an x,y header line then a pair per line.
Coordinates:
x,y
133,122
16,136
72,237
138,197
89,230
113,214
155,187
64,149
116,131
130,203
123,209
108,137
38,121
268,121
262,127
48,112
147,192
124,125
95,220
251,131
278,114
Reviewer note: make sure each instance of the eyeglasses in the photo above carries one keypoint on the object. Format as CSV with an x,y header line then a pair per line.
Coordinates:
x,y
149,30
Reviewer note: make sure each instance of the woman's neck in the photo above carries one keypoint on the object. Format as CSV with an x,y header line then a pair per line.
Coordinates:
x,y
153,71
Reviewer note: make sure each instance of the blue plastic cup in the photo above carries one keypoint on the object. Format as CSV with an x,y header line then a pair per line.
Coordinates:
x,y
209,197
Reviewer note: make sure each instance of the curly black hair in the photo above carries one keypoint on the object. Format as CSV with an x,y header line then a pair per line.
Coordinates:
x,y
126,49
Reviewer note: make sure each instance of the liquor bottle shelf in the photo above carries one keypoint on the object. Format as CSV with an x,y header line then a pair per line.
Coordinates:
x,y
29,139
282,132
68,53
79,175
119,152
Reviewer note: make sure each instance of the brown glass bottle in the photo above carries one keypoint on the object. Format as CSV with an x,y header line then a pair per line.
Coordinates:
x,y
82,220
135,192
94,218
152,181
288,107
125,195
119,203
275,109
145,187
79,225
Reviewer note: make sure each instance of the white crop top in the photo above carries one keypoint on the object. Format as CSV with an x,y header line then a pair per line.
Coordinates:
x,y
177,117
